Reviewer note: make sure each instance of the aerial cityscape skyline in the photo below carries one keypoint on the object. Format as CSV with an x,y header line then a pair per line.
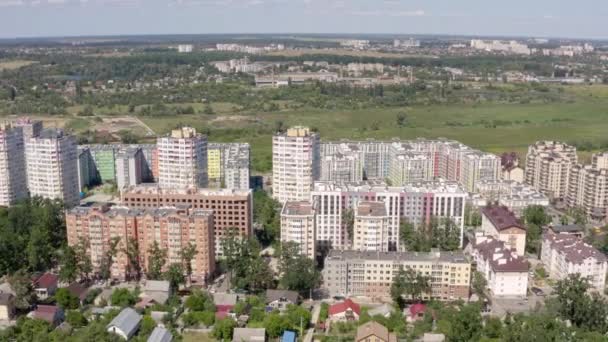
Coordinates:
x,y
44,18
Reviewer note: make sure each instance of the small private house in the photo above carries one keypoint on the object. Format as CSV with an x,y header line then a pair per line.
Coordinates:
x,y
374,332
78,290
249,335
345,311
7,306
158,290
51,314
125,324
45,285
160,334
224,302
279,299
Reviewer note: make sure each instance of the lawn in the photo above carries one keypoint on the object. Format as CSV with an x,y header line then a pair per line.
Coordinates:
x,y
14,64
197,337
490,127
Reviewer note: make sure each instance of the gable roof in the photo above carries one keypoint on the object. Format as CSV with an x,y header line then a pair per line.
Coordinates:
x,y
225,299
127,321
160,334
157,285
574,249
273,295
499,257
46,312
343,306
78,290
46,281
374,329
502,218
417,308
249,335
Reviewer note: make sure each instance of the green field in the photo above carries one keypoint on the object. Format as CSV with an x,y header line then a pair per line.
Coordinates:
x,y
489,127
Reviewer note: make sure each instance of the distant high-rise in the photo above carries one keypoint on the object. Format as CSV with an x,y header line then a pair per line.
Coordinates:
x,y
52,171
13,179
182,159
295,164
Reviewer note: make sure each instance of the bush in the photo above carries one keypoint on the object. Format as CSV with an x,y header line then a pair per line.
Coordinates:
x,y
75,318
66,300
123,298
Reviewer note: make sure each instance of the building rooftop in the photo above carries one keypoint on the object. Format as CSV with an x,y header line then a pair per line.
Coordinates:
x,y
573,248
502,218
374,329
127,321
160,334
153,189
434,256
374,209
249,335
273,295
51,133
299,208
499,257
440,186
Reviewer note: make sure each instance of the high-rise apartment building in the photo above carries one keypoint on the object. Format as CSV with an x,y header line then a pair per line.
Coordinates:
x,y
588,189
13,178
295,164
476,166
232,208
370,274
52,172
31,128
342,167
419,204
182,159
298,225
173,228
409,167
371,227
229,165
548,166
130,165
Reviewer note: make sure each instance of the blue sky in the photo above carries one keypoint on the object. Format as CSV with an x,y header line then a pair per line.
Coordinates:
x,y
547,18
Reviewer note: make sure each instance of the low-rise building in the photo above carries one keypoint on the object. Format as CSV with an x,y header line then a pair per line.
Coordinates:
x,y
570,229
249,335
45,285
500,223
374,332
505,271
51,314
280,299
346,310
7,306
160,334
565,254
370,274
125,324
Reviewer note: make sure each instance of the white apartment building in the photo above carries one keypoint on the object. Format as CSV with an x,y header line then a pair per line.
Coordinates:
x,y
13,177
409,167
51,159
298,225
588,187
129,167
185,48
500,223
505,271
508,193
370,274
295,164
371,227
511,46
342,167
476,166
182,159
417,203
548,165
565,254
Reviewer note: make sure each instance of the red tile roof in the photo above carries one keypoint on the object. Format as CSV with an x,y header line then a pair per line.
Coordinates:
x,y
46,281
46,313
502,218
344,306
416,309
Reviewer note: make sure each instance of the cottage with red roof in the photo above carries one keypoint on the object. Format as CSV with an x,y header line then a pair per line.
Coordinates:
x,y
45,285
51,314
499,222
416,312
345,311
